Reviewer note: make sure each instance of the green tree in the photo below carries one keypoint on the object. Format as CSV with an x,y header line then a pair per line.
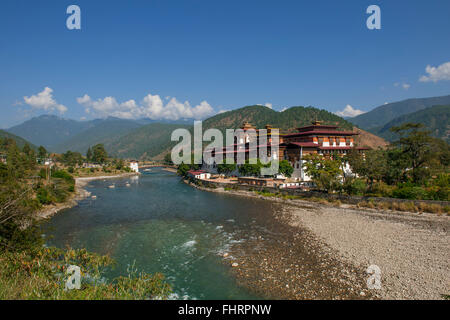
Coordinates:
x,y
324,171
89,154
26,149
226,168
397,166
250,169
28,157
285,168
372,165
120,164
416,147
99,154
72,158
183,169
42,153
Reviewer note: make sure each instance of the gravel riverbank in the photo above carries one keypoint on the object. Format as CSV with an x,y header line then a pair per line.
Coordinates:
x,y
318,251
411,250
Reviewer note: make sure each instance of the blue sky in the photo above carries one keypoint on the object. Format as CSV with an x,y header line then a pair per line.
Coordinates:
x,y
147,58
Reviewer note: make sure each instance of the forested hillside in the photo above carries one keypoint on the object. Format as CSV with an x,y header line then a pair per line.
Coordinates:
x,y
436,119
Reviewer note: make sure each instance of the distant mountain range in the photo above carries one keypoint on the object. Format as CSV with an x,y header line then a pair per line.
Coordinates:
x,y
381,115
147,139
19,141
105,131
436,119
49,130
59,135
151,141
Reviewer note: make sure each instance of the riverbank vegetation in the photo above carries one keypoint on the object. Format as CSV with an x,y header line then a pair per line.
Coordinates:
x,y
95,163
405,206
415,167
29,269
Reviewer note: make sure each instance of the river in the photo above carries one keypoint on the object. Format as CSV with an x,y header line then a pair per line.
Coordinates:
x,y
160,224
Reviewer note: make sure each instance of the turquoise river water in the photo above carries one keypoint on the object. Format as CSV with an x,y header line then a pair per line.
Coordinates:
x,y
163,225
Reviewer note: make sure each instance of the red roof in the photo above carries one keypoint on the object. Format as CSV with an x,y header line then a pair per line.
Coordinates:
x,y
195,172
336,148
304,144
302,129
328,132
343,148
224,150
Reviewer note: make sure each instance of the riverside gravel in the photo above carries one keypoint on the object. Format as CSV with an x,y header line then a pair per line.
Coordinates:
x,y
322,251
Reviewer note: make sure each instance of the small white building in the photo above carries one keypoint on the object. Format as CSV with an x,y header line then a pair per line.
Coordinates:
x,y
134,165
199,174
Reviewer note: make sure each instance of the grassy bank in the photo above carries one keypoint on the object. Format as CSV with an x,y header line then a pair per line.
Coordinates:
x,y
41,274
29,269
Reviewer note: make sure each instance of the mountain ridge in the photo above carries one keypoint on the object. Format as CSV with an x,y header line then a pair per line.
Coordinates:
x,y
135,139
436,119
381,115
20,142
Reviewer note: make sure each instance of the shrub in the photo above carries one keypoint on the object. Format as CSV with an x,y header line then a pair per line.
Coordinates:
x,y
370,204
266,194
40,274
355,187
443,180
434,208
407,206
394,206
61,174
446,209
59,193
44,196
383,205
408,191
438,193
42,173
381,189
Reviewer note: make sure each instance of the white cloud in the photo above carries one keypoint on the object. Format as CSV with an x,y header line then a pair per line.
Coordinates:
x,y
436,74
152,106
44,101
109,106
267,104
404,85
349,111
